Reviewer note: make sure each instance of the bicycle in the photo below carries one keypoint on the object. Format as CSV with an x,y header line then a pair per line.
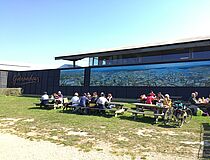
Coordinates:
x,y
180,113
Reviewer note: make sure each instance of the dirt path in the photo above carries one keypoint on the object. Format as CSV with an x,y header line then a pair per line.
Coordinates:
x,y
13,147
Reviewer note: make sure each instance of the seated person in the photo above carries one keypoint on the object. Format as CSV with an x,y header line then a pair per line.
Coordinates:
x,y
75,99
102,101
44,99
89,96
208,99
150,98
109,97
94,97
143,98
84,101
167,103
60,98
193,101
159,97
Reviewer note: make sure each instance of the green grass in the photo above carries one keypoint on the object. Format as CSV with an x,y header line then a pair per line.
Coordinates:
x,y
120,133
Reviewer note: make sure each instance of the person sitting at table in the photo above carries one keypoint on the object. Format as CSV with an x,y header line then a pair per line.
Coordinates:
x,y
109,97
58,98
75,99
143,98
150,98
102,102
44,99
160,97
152,93
94,97
208,99
196,95
84,101
167,103
89,96
193,101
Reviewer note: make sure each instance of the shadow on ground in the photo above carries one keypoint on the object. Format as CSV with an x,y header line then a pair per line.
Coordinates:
x,y
206,140
90,113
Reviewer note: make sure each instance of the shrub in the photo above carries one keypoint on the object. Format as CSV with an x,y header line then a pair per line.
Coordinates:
x,y
11,91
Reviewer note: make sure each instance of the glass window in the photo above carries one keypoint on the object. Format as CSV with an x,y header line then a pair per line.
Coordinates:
x,y
176,57
91,61
150,59
201,55
95,61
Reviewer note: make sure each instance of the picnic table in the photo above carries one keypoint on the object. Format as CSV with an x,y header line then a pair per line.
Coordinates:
x,y
115,107
148,109
48,105
204,107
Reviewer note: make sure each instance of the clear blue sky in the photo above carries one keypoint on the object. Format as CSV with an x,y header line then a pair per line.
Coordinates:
x,y
35,31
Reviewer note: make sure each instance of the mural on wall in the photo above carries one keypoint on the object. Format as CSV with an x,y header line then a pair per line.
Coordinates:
x,y
72,77
19,80
183,74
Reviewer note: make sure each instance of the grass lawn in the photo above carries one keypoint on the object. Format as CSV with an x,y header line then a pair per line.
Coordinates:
x,y
120,135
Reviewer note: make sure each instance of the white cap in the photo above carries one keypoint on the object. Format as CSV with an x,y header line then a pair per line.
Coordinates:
x,y
167,95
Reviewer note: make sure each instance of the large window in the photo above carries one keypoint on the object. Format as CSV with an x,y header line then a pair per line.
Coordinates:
x,y
182,74
72,77
201,55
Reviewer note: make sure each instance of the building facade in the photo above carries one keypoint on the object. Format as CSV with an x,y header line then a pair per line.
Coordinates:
x,y
177,69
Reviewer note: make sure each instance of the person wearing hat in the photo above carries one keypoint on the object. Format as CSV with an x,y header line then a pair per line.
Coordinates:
x,y
44,99
75,99
167,103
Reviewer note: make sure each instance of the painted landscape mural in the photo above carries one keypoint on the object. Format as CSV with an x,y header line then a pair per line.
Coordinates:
x,y
183,74
72,77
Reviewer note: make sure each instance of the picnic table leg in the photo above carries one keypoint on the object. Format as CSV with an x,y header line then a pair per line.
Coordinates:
x,y
135,116
156,119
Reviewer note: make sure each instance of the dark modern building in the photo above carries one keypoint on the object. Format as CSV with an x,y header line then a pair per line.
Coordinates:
x,y
176,68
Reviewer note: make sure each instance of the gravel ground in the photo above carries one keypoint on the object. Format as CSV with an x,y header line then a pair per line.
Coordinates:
x,y
13,147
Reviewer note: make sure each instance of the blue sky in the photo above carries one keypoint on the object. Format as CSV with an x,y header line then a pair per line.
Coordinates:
x,y
36,31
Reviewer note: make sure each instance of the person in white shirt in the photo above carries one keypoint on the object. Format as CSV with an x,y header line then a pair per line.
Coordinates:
x,y
102,101
44,99
75,99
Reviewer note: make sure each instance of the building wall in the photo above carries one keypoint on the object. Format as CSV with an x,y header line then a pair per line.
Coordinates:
x,y
3,79
80,80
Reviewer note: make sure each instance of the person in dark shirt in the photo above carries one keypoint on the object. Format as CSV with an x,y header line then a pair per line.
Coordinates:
x,y
84,101
193,101
94,97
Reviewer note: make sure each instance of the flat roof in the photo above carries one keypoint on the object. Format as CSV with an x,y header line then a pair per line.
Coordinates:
x,y
161,46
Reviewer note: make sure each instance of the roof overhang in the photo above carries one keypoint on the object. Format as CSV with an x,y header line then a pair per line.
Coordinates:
x,y
192,43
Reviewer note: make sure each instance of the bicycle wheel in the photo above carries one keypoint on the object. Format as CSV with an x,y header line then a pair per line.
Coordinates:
x,y
180,118
188,115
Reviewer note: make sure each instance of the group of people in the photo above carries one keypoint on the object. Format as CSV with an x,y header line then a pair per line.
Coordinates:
x,y
87,100
194,100
159,99
95,100
165,101
56,98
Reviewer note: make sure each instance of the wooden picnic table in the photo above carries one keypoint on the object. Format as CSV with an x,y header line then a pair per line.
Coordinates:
x,y
147,109
204,107
117,108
